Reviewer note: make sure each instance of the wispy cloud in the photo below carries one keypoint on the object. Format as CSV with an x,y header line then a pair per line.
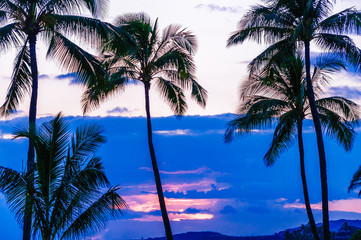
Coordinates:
x,y
174,132
342,205
213,7
188,132
196,171
6,136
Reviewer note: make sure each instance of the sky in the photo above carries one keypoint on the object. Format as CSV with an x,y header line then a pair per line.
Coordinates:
x,y
209,185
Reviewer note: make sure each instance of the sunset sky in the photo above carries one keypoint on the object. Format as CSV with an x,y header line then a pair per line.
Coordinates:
x,y
209,185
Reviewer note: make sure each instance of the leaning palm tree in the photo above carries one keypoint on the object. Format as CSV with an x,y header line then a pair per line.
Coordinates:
x,y
291,24
71,194
277,94
164,60
22,23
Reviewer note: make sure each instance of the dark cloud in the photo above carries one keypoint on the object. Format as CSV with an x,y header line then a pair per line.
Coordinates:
x,y
228,210
213,7
69,76
195,210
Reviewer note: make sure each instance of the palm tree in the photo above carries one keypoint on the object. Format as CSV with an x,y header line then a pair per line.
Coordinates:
x,y
71,194
277,93
165,60
289,24
22,23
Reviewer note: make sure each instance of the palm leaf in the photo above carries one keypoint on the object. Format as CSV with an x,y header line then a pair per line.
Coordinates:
x,y
92,220
20,84
283,137
173,94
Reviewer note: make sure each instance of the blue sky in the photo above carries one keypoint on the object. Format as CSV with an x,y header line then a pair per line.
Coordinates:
x,y
210,186
221,187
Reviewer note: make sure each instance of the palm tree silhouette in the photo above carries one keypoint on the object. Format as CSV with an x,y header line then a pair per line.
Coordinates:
x,y
291,24
23,22
71,194
277,93
148,57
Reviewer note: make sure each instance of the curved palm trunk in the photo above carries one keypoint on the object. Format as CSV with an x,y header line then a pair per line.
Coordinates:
x,y
304,182
320,144
158,183
32,120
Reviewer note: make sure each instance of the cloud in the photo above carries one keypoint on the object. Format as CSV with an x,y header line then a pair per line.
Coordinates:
x,y
118,110
6,136
174,132
228,210
43,76
195,210
213,7
69,76
179,209
345,91
352,205
196,171
187,132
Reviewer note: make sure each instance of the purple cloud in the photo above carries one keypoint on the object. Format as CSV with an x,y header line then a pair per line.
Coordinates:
x,y
213,7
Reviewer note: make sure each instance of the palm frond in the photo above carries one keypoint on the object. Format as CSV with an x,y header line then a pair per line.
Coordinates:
x,y
13,185
182,37
74,59
343,45
90,30
344,107
20,82
337,127
257,112
173,94
87,140
199,94
356,181
347,21
96,7
283,137
10,36
93,219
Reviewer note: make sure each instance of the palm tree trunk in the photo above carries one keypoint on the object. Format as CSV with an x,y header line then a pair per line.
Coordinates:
x,y
158,183
304,182
32,120
320,144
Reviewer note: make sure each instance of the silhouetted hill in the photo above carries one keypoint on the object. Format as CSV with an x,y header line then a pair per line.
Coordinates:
x,y
216,236
335,226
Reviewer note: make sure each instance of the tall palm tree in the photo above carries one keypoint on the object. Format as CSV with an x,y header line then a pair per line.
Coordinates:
x,y
165,60
22,23
71,194
297,23
277,93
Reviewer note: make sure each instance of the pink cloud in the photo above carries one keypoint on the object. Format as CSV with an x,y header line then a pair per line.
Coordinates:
x,y
176,207
149,202
176,217
342,205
